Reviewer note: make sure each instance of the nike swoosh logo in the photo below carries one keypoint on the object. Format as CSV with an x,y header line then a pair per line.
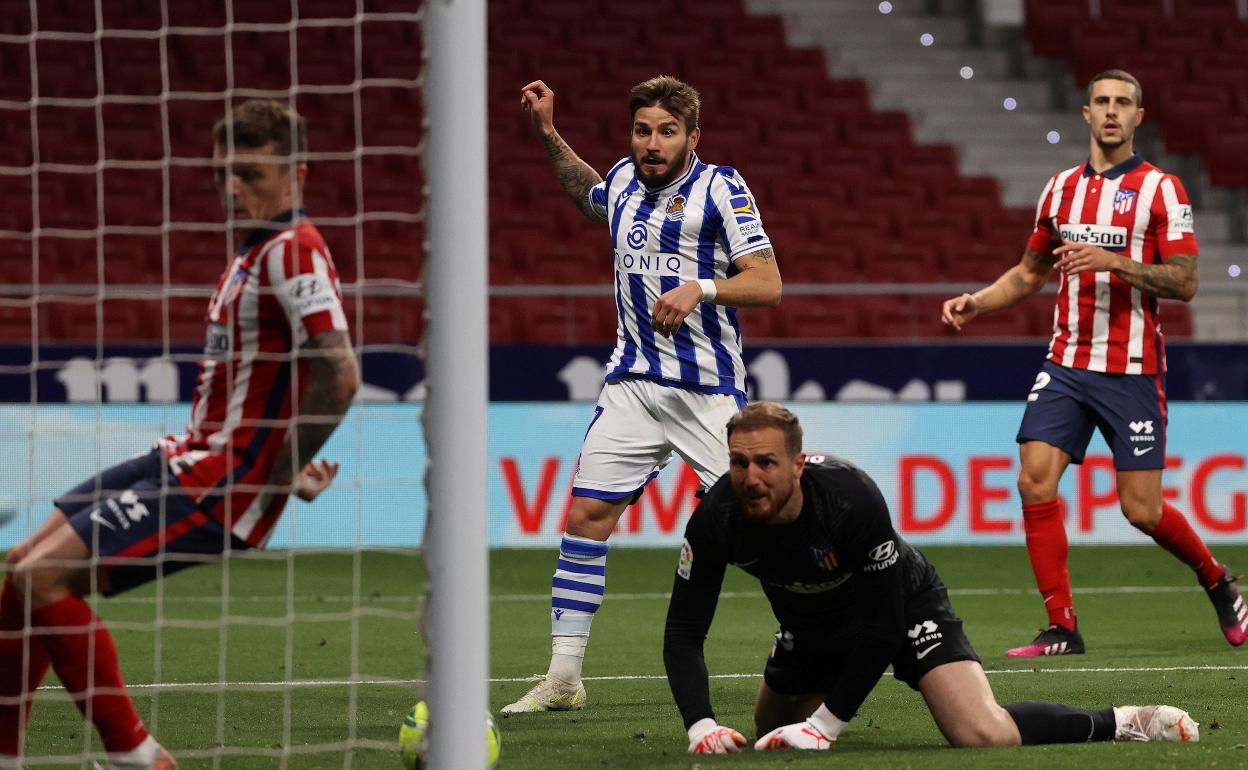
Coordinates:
x,y
923,654
1139,450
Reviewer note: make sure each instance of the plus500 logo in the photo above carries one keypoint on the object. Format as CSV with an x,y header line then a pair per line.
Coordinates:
x,y
1106,236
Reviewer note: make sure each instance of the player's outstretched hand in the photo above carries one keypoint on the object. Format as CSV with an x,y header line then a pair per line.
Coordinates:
x,y
959,310
672,306
706,737
538,100
802,735
314,479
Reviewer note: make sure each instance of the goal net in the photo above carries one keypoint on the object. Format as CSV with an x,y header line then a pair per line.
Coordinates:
x,y
112,240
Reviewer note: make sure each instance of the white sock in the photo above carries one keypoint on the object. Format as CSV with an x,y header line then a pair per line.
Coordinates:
x,y
567,656
142,755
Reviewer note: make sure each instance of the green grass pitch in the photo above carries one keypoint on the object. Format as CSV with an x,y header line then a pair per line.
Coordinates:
x,y
1151,637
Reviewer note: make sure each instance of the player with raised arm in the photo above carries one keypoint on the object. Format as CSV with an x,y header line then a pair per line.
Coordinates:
x,y
689,247
277,376
1119,231
852,598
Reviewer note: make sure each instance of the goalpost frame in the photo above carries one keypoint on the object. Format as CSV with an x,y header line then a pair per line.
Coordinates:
x,y
456,294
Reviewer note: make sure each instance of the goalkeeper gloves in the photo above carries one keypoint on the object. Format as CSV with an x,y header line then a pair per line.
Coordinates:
x,y
819,733
706,737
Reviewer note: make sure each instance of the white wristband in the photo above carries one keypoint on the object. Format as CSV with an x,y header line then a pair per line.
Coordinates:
x,y
827,723
708,289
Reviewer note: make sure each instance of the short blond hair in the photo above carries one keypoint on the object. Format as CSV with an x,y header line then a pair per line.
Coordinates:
x,y
769,414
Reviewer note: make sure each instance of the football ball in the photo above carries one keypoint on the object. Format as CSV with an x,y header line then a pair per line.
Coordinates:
x,y
413,739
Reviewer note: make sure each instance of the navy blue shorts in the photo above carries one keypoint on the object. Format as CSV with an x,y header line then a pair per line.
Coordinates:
x,y
1130,410
135,517
810,662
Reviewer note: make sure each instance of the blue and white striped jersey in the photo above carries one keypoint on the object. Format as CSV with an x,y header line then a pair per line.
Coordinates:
x,y
695,227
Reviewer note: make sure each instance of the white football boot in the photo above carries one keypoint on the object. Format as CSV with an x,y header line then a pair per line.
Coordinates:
x,y
1155,723
550,694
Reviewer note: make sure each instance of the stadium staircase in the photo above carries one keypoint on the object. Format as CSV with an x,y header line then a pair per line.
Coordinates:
x,y
1014,112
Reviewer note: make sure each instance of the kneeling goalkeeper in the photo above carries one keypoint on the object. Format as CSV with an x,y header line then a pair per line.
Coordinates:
x,y
852,598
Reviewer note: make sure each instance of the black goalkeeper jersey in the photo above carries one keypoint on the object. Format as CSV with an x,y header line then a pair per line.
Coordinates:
x,y
838,571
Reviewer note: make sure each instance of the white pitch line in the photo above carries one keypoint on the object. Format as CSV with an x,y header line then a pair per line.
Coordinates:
x,y
647,596
173,686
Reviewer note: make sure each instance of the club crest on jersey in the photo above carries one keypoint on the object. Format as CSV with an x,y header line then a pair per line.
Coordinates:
x,y
825,557
1124,201
675,208
229,292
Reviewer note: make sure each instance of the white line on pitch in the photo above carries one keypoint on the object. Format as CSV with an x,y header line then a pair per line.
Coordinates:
x,y
650,596
171,686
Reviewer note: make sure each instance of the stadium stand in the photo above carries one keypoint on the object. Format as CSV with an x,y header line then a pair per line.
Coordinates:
x,y
849,193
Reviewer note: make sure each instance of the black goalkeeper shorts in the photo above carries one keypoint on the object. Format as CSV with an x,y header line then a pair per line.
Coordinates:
x,y
810,663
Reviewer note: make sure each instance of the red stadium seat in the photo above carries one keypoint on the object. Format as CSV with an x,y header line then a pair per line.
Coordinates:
x,y
261,59
16,147
1149,11
1101,45
923,162
819,260
890,196
753,36
934,227
67,201
1228,157
1013,225
69,260
17,218
133,131
1176,320
841,97
1049,23
888,261
196,63
193,195
798,133
1013,322
16,323
886,131
1179,37
760,323
394,320
794,66
15,265
133,197
322,53
847,164
899,316
132,66
822,317
977,262
391,117
1233,36
197,258
602,34
131,14
15,64
978,194
134,259
1188,109
67,135
1218,67
1206,10
190,127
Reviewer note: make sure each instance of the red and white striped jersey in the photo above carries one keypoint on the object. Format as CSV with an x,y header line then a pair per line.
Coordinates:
x,y
1102,323
281,290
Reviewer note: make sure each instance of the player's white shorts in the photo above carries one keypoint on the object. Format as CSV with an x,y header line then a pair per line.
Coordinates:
x,y
636,427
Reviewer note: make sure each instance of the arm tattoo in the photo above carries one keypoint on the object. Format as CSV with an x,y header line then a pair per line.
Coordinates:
x,y
1173,279
576,177
332,380
764,255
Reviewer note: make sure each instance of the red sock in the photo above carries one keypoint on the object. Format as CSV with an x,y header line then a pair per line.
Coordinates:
x,y
20,680
1177,536
85,658
1047,547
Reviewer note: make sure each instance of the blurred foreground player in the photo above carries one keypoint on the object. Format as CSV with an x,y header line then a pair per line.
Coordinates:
x,y
852,597
277,376
1120,232
688,247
